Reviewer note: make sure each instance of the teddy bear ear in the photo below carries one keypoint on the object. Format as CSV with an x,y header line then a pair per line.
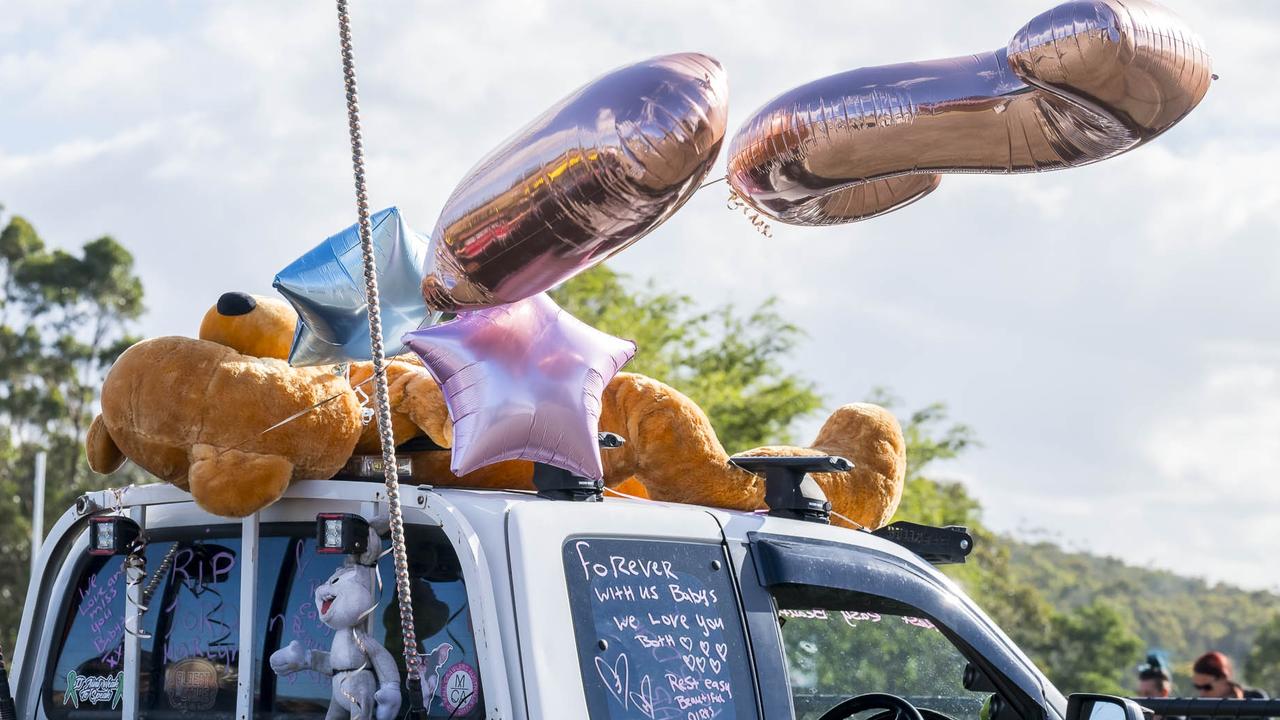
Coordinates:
x,y
257,326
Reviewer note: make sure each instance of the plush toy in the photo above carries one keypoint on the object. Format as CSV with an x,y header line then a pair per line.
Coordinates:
x,y
194,412
672,454
366,681
673,451
200,413
417,405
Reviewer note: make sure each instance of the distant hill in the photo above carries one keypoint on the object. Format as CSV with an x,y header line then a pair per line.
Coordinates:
x,y
1087,620
1182,616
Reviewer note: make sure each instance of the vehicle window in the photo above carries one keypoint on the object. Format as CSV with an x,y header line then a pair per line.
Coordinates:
x,y
190,643
291,571
189,633
871,645
659,630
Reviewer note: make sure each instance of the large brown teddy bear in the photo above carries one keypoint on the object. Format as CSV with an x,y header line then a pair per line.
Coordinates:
x,y
194,412
672,454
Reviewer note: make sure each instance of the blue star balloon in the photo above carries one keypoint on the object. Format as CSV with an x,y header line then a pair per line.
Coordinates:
x,y
326,287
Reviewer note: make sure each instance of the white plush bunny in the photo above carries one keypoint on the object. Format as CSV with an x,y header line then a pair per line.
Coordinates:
x,y
366,682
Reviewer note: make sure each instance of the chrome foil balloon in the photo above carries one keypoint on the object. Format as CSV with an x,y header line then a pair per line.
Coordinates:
x,y
583,181
1080,83
326,287
522,381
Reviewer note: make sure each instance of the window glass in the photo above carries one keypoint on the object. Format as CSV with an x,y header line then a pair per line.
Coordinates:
x,y
659,630
189,631
190,650
873,646
91,662
291,570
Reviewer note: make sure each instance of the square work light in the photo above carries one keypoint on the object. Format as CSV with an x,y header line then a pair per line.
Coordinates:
x,y
341,534
112,535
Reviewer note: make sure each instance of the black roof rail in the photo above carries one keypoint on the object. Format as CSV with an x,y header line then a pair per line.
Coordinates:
x,y
938,545
1211,707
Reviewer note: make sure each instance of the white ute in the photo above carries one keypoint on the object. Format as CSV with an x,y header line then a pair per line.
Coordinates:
x,y
524,607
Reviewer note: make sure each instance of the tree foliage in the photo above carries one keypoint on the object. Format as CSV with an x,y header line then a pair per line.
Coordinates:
x,y
1263,668
1181,616
1093,649
729,363
64,318
1083,642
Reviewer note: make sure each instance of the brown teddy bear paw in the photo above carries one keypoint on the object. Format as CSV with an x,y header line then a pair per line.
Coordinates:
x,y
232,483
101,450
424,403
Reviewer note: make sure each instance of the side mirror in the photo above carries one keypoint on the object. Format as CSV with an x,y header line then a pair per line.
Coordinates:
x,y
1088,706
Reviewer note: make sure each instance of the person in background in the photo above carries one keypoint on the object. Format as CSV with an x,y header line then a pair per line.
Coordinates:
x,y
1213,677
1154,682
1153,678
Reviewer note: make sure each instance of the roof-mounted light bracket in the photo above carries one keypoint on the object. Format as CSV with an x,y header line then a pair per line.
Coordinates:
x,y
556,483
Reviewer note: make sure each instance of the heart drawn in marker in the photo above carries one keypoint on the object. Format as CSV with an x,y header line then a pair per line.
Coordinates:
x,y
687,643
705,647
722,650
643,700
715,665
616,677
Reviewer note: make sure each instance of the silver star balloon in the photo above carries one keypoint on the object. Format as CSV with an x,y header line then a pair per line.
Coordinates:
x,y
523,381
326,287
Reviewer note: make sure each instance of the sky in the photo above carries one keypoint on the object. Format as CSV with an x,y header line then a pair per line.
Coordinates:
x,y
1108,331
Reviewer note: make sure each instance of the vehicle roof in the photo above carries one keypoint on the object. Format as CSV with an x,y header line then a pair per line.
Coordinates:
x,y
480,506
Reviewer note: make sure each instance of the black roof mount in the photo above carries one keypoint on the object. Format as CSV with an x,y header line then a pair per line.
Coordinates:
x,y
556,483
789,492
938,545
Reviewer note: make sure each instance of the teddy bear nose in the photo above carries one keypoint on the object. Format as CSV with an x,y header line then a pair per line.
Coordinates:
x,y
236,303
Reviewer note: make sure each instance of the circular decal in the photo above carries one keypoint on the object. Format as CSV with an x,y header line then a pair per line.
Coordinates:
x,y
191,684
460,690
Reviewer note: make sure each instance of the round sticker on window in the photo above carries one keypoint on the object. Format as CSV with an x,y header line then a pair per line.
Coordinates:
x,y
191,684
460,689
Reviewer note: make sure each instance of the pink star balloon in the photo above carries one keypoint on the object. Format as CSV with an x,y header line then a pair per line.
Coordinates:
x,y
522,381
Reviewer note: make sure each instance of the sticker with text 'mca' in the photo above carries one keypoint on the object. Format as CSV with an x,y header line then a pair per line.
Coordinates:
x,y
459,689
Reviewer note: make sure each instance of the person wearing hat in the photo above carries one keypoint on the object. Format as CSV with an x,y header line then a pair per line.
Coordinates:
x,y
1154,681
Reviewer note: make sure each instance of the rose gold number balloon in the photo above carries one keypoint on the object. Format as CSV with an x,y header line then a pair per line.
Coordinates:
x,y
1080,83
586,179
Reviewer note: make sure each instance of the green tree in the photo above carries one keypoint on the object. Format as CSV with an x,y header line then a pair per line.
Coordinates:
x,y
729,363
987,575
1263,665
1093,650
64,318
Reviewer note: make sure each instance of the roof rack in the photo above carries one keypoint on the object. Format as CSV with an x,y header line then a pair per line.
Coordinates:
x,y
789,491
1211,707
937,545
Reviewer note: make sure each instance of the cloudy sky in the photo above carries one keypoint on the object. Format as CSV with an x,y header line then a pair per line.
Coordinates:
x,y
1109,331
